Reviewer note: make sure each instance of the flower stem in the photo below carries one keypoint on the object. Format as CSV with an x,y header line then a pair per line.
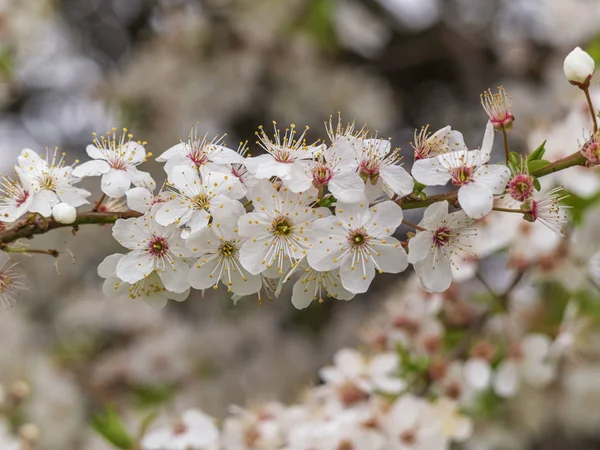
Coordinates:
x,y
506,148
586,91
508,210
51,252
99,203
412,225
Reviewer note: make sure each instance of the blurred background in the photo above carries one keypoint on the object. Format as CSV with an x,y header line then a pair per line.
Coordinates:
x,y
72,67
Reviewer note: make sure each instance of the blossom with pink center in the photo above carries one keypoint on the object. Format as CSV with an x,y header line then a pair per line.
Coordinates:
x,y
199,151
193,431
16,198
430,251
116,160
11,281
520,187
548,210
468,169
358,240
497,107
154,248
427,145
286,155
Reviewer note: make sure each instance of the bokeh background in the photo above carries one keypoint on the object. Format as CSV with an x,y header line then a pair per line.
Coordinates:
x,y
72,67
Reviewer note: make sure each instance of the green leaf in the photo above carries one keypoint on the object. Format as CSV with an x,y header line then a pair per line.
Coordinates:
x,y
538,153
514,159
419,187
146,422
327,201
153,395
536,184
537,164
110,426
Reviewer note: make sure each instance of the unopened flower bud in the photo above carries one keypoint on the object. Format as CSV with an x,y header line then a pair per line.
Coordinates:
x,y
579,68
64,213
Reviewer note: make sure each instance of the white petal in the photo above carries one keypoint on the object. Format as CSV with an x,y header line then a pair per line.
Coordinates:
x,y
430,172
115,183
434,272
356,279
391,257
94,152
172,211
347,187
136,152
385,218
475,199
349,361
488,143
535,346
177,149
478,373
420,246
91,169
494,176
202,274
135,266
303,292
139,199
175,276
253,255
108,266
397,179
141,179
434,215
43,201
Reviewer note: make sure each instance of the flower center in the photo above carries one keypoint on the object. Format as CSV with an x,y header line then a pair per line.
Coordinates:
x,y
442,236
321,175
198,157
521,187
369,170
179,428
282,226
22,198
283,156
358,238
227,249
408,437
117,161
47,181
201,201
158,246
462,175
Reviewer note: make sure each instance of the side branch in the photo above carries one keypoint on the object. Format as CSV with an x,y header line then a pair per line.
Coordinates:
x,y
575,159
34,224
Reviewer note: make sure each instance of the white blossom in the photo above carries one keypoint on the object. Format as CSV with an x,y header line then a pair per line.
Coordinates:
x,y
358,240
153,248
194,431
278,229
200,195
15,199
478,181
52,182
430,251
116,160
578,67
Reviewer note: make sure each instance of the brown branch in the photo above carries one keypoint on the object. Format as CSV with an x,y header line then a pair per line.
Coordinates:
x,y
35,224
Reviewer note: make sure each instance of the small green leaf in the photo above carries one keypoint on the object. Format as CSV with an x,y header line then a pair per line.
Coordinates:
x,y
514,159
419,187
536,184
537,164
327,201
146,424
110,426
538,153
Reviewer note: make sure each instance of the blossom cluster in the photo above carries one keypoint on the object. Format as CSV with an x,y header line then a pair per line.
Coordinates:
x,y
325,217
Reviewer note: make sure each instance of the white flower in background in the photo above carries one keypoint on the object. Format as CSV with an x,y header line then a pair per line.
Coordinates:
x,y
379,167
51,181
150,289
257,428
153,248
358,241
16,197
282,154
548,210
573,334
11,281
579,67
478,181
141,199
64,213
198,152
407,428
200,195
194,431
116,160
430,251
278,229
527,360
313,285
218,248
453,425
444,140
379,373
